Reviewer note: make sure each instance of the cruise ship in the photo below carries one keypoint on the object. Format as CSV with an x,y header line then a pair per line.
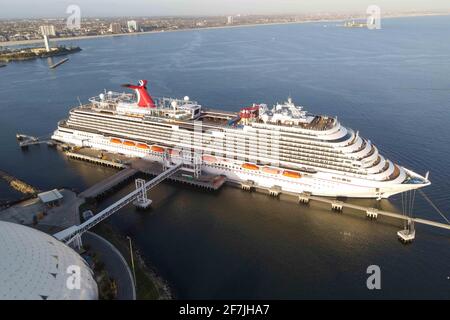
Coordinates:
x,y
282,145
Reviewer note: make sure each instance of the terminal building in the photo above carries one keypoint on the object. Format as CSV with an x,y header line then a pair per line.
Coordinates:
x,y
36,266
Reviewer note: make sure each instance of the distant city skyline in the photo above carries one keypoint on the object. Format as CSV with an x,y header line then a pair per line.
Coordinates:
x,y
114,8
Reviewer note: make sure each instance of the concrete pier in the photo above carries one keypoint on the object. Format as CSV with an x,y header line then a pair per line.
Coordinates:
x,y
304,197
337,205
204,181
109,183
275,191
143,205
247,185
103,162
372,213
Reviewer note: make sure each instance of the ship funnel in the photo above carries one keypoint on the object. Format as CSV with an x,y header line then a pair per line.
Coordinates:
x,y
144,98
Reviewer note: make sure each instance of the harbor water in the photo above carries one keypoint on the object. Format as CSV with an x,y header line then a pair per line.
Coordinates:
x,y
392,85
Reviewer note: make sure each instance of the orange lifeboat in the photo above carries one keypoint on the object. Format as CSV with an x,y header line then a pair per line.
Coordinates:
x,y
291,174
250,166
142,146
208,158
157,149
116,141
129,143
270,170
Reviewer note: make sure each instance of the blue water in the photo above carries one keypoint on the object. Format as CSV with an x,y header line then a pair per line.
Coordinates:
x,y
392,85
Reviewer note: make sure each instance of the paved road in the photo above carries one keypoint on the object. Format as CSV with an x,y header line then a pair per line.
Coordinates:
x,y
115,264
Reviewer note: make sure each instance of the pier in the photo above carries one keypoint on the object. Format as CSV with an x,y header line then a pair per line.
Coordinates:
x,y
204,181
96,160
57,64
27,140
374,212
339,206
74,233
109,183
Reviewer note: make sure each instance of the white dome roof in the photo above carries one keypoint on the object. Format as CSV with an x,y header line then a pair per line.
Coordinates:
x,y
34,265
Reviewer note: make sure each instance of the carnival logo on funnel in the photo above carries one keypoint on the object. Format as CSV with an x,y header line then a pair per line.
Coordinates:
x,y
144,99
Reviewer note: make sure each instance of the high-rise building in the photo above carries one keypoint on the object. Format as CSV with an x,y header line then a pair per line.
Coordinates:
x,y
115,27
48,30
132,26
230,20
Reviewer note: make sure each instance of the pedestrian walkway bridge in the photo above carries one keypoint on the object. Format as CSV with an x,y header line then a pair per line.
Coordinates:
x,y
74,233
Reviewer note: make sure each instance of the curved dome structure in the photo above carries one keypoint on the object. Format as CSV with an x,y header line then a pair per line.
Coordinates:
x,y
36,266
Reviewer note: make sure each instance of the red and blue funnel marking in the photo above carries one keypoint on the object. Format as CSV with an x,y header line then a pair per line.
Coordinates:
x,y
143,97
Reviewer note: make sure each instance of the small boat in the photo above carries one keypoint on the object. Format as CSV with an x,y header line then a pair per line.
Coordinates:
x,y
209,158
270,170
157,149
174,152
142,146
129,143
250,166
291,174
116,141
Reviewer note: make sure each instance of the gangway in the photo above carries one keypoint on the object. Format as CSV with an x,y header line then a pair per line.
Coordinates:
x,y
27,140
74,233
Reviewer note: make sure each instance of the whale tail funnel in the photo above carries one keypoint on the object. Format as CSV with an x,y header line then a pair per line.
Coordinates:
x,y
144,99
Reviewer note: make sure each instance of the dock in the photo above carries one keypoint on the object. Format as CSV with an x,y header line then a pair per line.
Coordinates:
x,y
131,166
96,160
27,140
109,183
370,212
205,181
53,66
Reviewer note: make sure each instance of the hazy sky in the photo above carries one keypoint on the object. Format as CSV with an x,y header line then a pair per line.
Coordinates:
x,y
57,8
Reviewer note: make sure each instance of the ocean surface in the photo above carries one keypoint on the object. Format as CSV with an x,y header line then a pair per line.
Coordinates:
x,y
393,85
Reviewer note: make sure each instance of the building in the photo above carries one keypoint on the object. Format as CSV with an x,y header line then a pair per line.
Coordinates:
x,y
48,30
36,266
46,43
132,26
230,20
50,198
115,28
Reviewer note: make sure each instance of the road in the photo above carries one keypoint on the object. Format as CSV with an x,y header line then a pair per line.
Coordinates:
x,y
115,264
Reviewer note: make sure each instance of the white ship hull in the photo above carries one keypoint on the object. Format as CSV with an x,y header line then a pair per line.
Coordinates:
x,y
320,183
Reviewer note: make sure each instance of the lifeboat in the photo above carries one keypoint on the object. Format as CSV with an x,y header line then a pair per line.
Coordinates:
x,y
129,143
116,141
142,146
250,166
174,152
270,170
291,174
208,158
157,149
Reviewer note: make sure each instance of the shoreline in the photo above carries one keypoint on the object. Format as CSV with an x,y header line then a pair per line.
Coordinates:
x,y
29,42
150,284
